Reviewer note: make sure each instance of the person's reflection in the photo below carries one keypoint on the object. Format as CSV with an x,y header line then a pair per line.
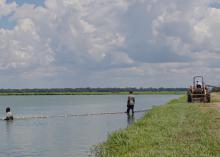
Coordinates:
x,y
8,125
130,119
8,128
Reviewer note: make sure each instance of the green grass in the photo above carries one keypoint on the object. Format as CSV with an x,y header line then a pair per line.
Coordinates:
x,y
176,129
91,93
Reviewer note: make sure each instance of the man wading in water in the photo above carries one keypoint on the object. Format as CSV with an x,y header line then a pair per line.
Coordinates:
x,y
9,115
130,103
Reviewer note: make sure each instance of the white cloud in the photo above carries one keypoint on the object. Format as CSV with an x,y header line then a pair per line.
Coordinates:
x,y
5,8
23,48
134,42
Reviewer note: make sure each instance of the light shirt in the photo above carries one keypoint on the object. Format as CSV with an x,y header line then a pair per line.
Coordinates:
x,y
132,99
9,114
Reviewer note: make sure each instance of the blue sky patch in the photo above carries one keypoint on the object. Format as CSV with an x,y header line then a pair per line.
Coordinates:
x,y
215,5
21,2
6,22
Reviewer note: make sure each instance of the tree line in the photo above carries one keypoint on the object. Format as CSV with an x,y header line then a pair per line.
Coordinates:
x,y
88,89
216,89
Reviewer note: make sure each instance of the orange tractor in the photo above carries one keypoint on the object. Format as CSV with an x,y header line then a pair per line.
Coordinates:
x,y
198,92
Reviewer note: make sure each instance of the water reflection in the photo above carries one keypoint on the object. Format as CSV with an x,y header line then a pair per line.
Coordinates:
x,y
8,132
130,119
8,125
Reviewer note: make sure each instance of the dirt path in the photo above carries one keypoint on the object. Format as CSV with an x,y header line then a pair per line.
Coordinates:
x,y
215,104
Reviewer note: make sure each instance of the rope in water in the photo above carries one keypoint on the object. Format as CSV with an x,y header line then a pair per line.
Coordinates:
x,y
95,114
73,115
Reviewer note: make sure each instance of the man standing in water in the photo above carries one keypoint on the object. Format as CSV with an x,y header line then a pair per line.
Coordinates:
x,y
130,102
9,115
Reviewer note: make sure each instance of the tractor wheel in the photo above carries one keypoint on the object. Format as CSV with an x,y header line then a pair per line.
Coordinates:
x,y
189,98
208,98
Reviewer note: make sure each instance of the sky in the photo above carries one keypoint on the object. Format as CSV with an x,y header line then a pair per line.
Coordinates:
x,y
108,43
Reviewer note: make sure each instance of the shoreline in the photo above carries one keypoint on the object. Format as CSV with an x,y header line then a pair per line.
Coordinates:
x,y
174,129
93,93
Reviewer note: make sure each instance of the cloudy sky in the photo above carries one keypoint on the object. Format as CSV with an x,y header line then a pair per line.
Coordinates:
x,y
108,43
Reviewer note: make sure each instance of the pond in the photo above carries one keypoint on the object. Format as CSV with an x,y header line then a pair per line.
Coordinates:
x,y
55,126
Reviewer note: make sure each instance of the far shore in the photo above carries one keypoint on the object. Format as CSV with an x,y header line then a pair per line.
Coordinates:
x,y
92,93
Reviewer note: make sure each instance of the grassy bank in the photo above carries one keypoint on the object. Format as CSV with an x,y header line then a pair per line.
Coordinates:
x,y
176,129
90,93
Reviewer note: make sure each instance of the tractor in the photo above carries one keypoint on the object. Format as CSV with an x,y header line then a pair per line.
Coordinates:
x,y
198,92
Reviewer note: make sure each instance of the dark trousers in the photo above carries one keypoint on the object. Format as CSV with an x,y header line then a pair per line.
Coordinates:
x,y
130,107
9,118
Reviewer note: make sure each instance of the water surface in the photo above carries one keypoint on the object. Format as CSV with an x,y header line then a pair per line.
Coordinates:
x,y
58,134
